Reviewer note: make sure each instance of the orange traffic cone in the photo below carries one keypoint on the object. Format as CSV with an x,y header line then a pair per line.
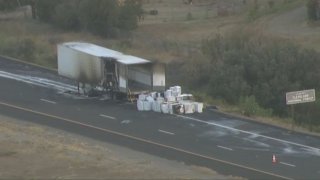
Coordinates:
x,y
274,159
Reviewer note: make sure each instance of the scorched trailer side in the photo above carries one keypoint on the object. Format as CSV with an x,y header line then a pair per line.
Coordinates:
x,y
94,66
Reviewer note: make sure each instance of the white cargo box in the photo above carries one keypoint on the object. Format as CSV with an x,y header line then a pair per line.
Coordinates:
x,y
147,106
175,108
140,105
189,107
142,97
170,106
165,108
150,99
153,95
186,97
156,106
198,107
171,99
168,93
176,91
160,99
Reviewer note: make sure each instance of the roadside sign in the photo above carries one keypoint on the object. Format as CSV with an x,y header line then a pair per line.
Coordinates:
x,y
297,97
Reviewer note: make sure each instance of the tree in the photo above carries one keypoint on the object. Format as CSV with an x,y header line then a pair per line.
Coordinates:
x,y
45,9
8,5
99,16
130,11
67,15
313,10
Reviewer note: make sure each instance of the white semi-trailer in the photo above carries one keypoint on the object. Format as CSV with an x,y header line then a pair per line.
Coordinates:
x,y
95,66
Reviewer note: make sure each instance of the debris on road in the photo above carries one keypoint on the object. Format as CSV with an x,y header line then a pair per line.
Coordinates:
x,y
172,101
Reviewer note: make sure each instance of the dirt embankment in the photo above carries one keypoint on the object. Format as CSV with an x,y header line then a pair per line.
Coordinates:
x,y
36,152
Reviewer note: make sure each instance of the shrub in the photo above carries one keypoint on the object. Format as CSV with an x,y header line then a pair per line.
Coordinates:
x,y
312,9
241,65
250,107
66,15
101,17
26,49
189,16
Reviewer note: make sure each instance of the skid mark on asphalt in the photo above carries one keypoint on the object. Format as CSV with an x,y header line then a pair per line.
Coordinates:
x,y
299,151
191,125
257,143
213,133
231,123
39,81
62,88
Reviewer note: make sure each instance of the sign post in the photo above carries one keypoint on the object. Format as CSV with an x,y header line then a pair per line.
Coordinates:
x,y
297,97
292,116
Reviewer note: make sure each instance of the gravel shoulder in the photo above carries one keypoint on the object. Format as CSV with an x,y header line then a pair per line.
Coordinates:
x,y
36,152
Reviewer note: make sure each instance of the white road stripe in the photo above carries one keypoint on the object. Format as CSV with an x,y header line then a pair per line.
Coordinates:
x,y
166,132
222,147
48,101
254,149
126,121
106,116
287,164
248,132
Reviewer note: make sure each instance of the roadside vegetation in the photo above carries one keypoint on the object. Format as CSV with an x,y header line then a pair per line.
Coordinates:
x,y
254,72
216,49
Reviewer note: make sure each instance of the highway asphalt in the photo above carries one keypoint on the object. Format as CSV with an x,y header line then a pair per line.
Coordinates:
x,y
227,144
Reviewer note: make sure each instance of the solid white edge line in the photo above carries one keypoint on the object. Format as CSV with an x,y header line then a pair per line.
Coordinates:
x,y
222,147
248,132
106,116
48,101
166,132
287,164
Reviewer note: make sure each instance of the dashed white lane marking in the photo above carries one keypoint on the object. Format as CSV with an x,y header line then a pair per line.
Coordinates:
x,y
106,116
253,149
248,132
226,148
125,121
287,164
48,101
166,132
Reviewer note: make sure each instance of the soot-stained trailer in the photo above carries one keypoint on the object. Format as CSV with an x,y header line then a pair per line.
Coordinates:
x,y
98,66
